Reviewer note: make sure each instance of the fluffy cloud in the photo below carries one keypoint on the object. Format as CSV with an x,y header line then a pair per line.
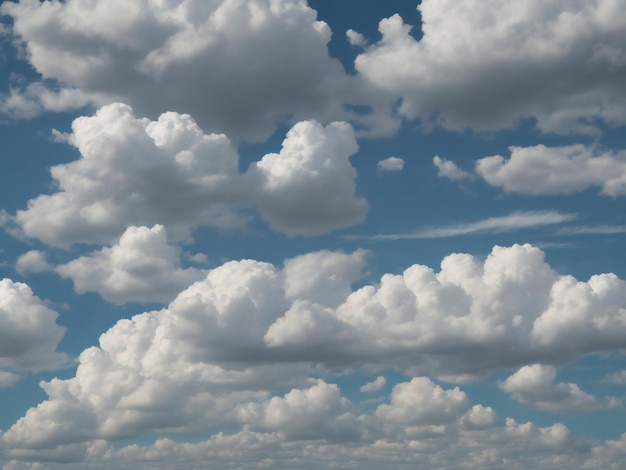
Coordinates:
x,y
449,169
391,164
424,402
534,385
249,329
33,261
186,56
542,170
374,386
29,333
141,267
139,172
487,65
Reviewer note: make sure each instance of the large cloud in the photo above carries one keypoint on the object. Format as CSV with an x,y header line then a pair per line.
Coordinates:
x,y
139,172
488,64
250,328
29,333
238,67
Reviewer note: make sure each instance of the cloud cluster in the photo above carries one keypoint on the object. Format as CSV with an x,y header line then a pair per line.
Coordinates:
x,y
249,329
534,385
135,171
184,56
487,65
29,334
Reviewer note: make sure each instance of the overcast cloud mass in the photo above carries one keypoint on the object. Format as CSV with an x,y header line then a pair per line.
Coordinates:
x,y
307,234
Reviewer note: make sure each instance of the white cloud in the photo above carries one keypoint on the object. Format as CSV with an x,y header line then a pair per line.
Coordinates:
x,y
308,188
8,379
33,261
487,65
421,401
139,172
618,378
507,223
449,169
186,56
141,267
391,164
542,170
534,385
319,412
355,38
374,385
226,349
29,334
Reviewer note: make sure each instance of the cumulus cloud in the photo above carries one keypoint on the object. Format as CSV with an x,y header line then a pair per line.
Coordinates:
x,y
33,261
355,38
421,401
534,385
449,169
135,171
141,267
185,56
29,334
229,346
391,164
542,170
486,65
374,385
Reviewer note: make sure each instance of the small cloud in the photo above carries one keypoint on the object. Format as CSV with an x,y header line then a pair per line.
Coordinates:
x,y
7,379
374,386
355,38
449,169
33,261
617,378
391,164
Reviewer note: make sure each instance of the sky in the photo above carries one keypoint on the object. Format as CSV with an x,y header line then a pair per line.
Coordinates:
x,y
312,234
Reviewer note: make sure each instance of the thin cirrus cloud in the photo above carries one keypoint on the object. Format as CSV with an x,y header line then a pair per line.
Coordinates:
x,y
134,171
514,221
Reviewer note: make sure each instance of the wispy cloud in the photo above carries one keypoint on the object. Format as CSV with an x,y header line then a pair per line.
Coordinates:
x,y
591,230
507,223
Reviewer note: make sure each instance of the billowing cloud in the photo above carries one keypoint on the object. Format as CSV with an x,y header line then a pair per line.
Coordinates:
x,y
29,334
487,65
273,68
250,330
542,170
534,385
141,267
391,164
33,261
135,171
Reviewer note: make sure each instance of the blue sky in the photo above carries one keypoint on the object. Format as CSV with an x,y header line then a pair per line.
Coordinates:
x,y
291,234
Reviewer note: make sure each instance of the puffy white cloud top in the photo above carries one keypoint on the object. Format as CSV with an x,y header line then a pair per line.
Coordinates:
x,y
488,64
135,171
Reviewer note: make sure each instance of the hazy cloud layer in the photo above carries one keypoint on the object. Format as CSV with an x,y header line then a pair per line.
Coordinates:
x,y
134,171
486,65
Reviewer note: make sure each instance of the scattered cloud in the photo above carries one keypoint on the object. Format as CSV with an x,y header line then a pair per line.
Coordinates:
x,y
374,386
542,170
391,164
449,169
355,38
534,385
33,261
